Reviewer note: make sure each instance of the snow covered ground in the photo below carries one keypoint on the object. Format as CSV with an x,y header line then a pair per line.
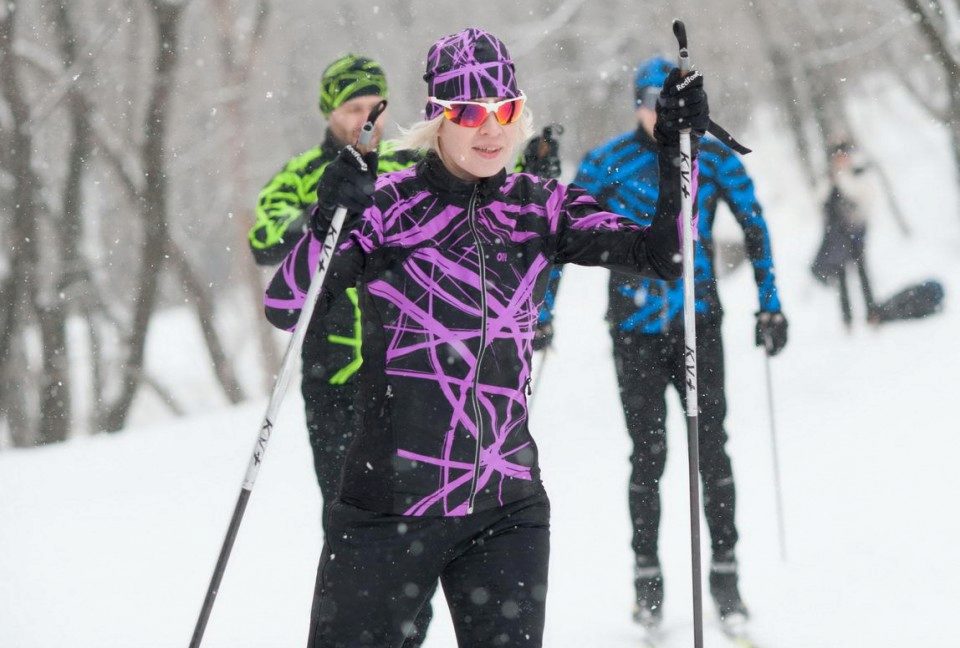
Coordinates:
x,y
109,541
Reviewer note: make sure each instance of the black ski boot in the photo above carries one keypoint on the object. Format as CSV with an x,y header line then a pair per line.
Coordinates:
x,y
648,580
726,592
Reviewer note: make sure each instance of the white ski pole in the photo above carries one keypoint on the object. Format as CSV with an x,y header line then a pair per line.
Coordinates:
x,y
690,352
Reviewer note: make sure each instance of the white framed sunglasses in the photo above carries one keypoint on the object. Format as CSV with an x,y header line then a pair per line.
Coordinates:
x,y
472,114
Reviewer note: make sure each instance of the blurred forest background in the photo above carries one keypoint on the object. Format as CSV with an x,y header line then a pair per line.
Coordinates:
x,y
136,134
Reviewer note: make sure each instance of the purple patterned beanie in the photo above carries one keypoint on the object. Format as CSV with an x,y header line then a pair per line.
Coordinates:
x,y
471,64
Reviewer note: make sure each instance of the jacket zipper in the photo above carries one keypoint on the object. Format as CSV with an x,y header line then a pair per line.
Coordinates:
x,y
471,219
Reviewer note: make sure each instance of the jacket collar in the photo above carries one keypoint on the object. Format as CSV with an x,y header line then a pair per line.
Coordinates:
x,y
441,181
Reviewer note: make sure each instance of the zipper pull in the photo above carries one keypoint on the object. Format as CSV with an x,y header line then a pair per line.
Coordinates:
x,y
527,387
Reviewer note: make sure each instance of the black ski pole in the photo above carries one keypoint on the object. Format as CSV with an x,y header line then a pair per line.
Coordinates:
x,y
278,393
690,352
781,527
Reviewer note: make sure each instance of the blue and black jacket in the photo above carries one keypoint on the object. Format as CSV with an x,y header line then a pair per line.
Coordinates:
x,y
622,176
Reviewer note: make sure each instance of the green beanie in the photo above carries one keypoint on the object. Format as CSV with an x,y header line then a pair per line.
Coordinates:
x,y
348,77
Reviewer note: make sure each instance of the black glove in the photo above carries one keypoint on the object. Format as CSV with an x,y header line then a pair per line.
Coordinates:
x,y
541,155
771,332
347,181
542,336
682,104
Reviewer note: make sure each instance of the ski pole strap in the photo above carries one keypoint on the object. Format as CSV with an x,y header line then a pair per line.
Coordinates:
x,y
680,31
721,134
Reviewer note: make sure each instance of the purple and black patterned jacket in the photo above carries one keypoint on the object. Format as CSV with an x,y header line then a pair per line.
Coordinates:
x,y
446,272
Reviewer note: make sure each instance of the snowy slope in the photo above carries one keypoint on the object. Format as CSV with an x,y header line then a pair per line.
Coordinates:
x,y
109,541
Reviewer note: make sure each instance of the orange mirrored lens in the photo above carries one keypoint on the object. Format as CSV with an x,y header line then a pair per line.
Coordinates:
x,y
509,112
470,115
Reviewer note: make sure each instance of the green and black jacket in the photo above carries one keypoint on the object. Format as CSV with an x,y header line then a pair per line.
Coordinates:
x,y
332,348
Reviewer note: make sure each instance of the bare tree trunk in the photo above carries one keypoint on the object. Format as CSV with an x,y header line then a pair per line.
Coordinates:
x,y
153,205
55,391
824,92
17,401
26,287
97,377
22,254
77,282
56,414
938,43
8,323
8,286
192,286
955,134
237,70
786,72
8,389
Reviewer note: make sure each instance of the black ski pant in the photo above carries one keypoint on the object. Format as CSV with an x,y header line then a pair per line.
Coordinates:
x,y
332,419
646,365
378,570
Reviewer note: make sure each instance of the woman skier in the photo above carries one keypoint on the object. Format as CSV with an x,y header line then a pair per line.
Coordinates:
x,y
442,482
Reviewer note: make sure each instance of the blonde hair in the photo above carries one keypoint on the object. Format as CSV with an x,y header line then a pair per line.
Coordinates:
x,y
425,135
422,136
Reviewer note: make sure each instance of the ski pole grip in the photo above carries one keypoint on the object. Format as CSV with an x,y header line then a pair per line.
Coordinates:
x,y
768,342
680,31
366,131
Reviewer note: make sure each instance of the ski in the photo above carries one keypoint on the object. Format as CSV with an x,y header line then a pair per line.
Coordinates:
x,y
735,630
651,636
